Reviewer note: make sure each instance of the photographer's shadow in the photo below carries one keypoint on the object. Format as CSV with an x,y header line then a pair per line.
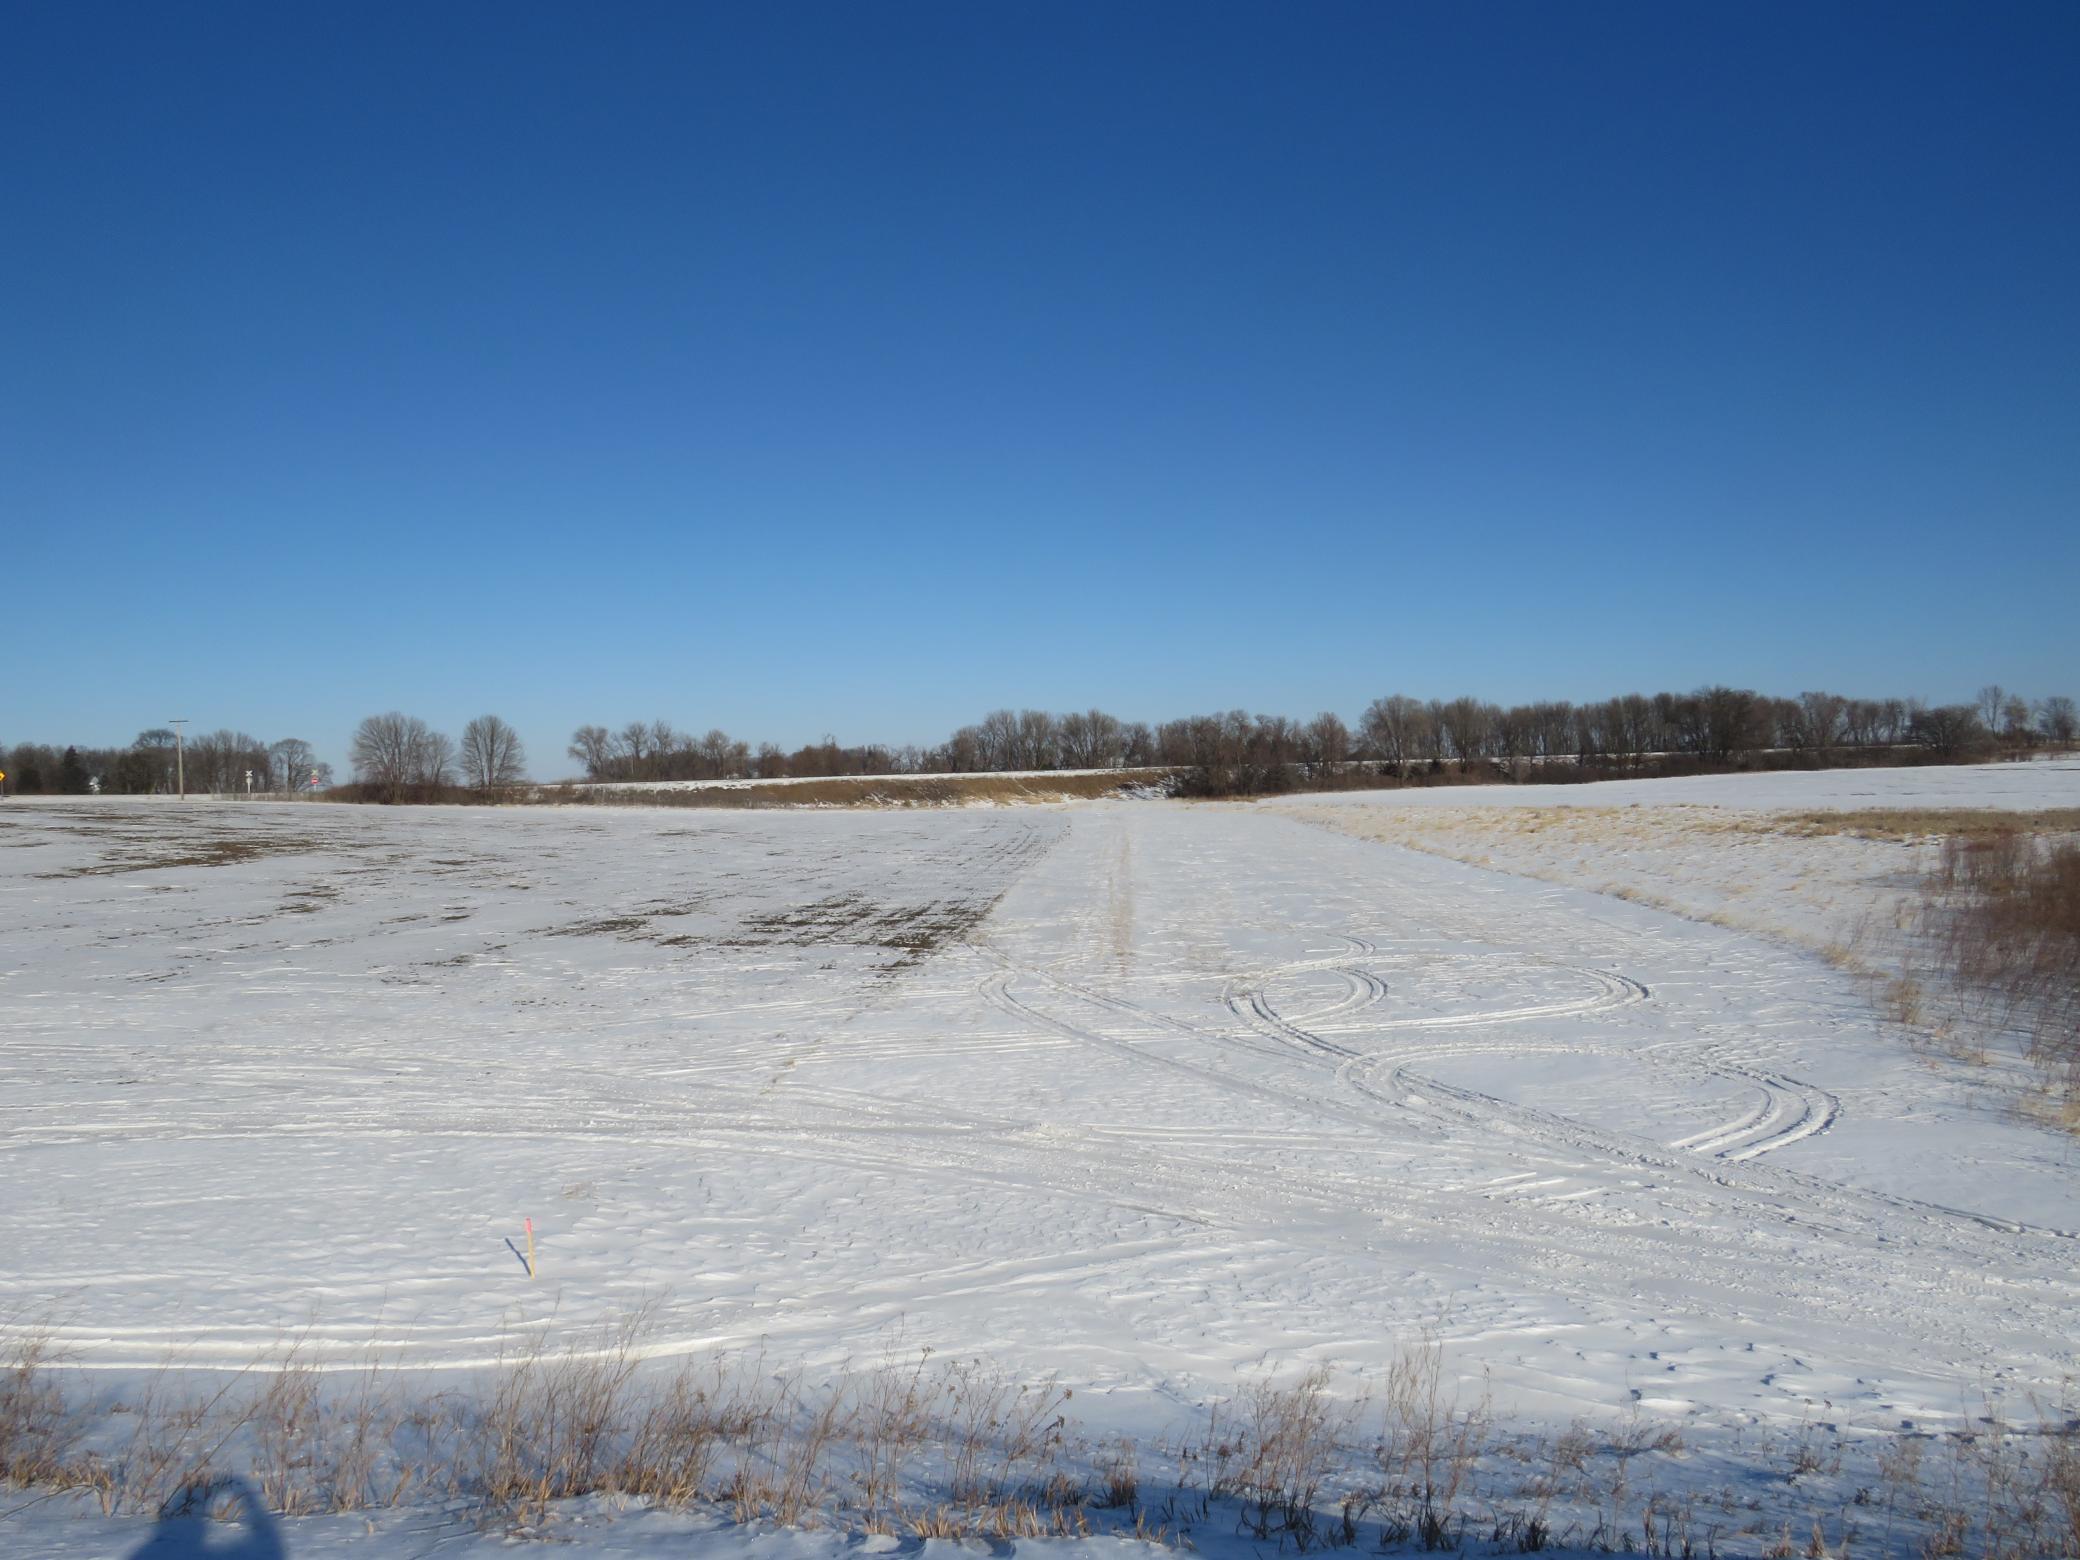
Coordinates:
x,y
186,1531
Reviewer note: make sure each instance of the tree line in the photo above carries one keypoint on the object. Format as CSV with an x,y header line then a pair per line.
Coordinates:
x,y
399,757
1395,736
213,762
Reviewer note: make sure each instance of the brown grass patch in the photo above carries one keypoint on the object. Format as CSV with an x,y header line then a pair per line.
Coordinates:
x,y
2001,917
1907,824
874,791
957,1450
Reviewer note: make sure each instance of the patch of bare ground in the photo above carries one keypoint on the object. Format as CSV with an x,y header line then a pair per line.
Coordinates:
x,y
914,931
602,926
308,899
223,850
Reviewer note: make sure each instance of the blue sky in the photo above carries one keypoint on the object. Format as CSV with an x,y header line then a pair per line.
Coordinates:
x,y
856,369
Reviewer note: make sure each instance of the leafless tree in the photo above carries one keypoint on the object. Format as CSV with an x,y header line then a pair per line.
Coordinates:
x,y
491,753
1090,740
593,746
1328,740
716,755
1862,720
1392,729
1039,744
1468,726
634,747
1821,717
1137,745
436,761
394,752
1513,733
291,762
217,761
1556,728
2057,718
998,734
1992,698
2015,723
965,752
1948,730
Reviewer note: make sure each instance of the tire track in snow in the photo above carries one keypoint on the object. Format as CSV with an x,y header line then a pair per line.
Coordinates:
x,y
1790,1111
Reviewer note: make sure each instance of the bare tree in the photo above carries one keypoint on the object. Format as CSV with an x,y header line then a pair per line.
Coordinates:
x,y
635,750
1556,727
1992,698
1137,745
663,740
964,751
1039,745
1328,740
998,738
2057,718
2015,724
717,755
1089,741
1948,730
436,760
1470,727
217,761
1821,717
290,760
491,753
593,746
387,751
1514,731
1391,728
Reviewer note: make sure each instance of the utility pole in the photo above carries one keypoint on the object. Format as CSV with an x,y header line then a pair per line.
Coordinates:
x,y
180,755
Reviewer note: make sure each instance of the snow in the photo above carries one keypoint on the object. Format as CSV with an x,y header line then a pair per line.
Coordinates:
x,y
1155,1098
1729,849
598,1529
2045,782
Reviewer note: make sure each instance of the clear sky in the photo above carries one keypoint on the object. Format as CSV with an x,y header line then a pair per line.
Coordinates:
x,y
857,369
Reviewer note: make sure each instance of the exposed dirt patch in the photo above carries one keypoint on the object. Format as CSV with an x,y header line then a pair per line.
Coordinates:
x,y
303,901
912,930
605,926
217,851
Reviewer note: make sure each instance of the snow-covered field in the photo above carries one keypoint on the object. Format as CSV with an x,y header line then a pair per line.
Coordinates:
x,y
1153,1097
1751,852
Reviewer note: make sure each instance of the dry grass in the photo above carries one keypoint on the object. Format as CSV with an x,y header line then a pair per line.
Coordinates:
x,y
1999,922
875,791
1912,824
915,1448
